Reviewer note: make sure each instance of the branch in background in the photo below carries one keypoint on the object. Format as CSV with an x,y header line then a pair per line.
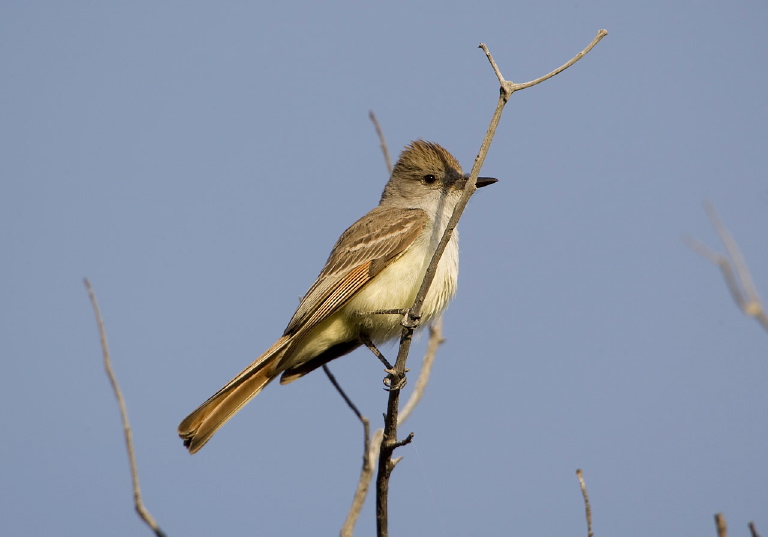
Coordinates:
x,y
390,442
734,269
362,486
587,508
722,529
382,141
139,504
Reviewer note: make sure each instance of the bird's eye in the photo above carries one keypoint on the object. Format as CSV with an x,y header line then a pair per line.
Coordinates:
x,y
429,179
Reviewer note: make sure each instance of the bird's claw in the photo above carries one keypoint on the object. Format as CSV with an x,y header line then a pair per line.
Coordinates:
x,y
391,375
411,321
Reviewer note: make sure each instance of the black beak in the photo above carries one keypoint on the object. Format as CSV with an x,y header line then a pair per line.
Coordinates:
x,y
485,181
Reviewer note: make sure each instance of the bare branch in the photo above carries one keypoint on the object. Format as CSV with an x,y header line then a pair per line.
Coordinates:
x,y
410,322
407,440
368,461
363,484
722,529
346,398
139,504
753,530
372,445
512,87
734,269
587,508
733,251
371,450
382,141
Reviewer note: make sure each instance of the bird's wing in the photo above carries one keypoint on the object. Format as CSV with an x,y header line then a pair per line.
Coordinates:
x,y
362,251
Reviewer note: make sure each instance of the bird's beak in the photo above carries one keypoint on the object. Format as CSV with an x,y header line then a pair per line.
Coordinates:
x,y
484,181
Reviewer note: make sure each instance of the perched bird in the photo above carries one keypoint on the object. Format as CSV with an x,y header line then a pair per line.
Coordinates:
x,y
376,265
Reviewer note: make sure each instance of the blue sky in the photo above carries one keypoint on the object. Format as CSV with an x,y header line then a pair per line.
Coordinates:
x,y
182,154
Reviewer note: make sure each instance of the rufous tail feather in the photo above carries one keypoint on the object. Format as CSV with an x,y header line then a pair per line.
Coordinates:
x,y
197,428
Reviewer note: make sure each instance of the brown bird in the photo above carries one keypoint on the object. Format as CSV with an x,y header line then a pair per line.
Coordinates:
x,y
376,265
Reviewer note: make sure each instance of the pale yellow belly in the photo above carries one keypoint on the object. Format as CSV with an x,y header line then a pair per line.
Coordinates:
x,y
394,288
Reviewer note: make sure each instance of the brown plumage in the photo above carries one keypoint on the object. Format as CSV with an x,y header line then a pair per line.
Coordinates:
x,y
336,313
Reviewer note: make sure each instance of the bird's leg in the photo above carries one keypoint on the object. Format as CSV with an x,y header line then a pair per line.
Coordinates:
x,y
389,369
409,321
376,352
389,312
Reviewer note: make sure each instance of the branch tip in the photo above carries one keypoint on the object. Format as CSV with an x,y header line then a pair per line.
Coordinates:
x,y
733,267
142,511
722,529
587,507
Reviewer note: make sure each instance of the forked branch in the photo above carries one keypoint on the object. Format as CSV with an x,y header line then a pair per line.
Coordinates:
x,y
734,269
389,441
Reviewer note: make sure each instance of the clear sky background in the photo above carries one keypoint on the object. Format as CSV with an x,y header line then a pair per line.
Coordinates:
x,y
197,161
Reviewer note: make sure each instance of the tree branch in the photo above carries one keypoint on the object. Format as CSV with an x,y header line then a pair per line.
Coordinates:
x,y
390,442
138,503
514,87
722,529
372,445
382,141
435,340
734,269
587,508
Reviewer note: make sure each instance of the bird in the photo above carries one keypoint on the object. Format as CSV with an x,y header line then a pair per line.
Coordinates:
x,y
372,275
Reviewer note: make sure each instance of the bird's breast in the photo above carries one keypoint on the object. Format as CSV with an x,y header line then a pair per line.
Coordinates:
x,y
395,288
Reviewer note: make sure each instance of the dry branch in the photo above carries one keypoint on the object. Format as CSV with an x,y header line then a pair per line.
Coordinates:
x,y
382,140
372,444
734,269
722,529
138,503
411,319
587,507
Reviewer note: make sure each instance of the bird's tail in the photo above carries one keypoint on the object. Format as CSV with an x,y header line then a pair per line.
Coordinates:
x,y
197,428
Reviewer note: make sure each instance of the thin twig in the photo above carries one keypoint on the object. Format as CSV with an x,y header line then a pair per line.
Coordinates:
x,y
513,87
587,508
382,141
733,251
400,443
370,456
753,530
414,313
722,529
368,461
139,504
345,397
734,269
